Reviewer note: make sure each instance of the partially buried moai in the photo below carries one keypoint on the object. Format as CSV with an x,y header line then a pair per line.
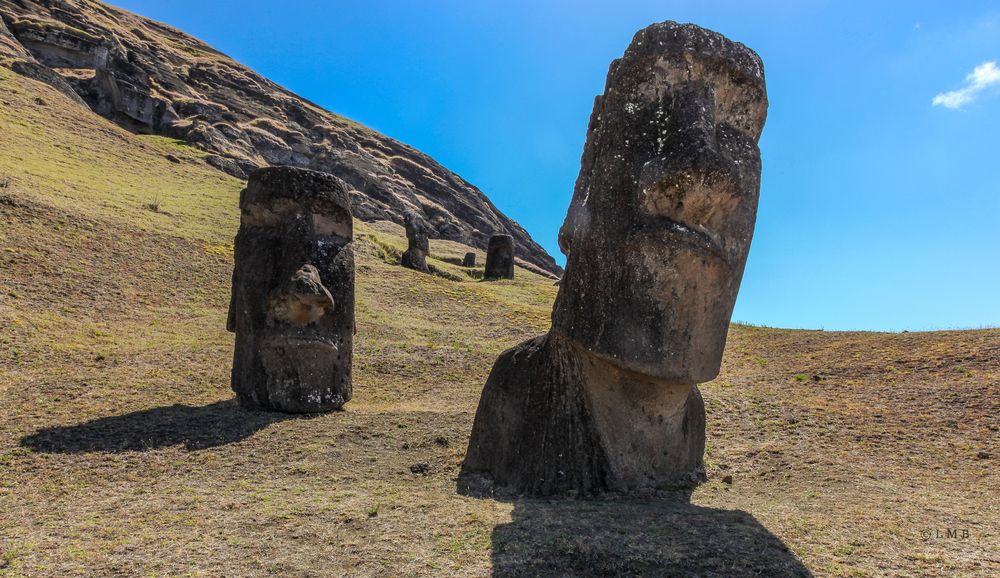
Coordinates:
x,y
656,239
469,260
418,245
292,305
499,258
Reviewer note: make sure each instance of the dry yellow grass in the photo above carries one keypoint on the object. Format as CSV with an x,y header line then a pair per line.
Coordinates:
x,y
122,453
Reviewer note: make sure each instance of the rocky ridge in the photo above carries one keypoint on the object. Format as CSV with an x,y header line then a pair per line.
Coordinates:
x,y
151,78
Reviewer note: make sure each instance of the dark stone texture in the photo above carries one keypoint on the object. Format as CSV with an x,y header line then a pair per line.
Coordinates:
x,y
292,306
500,258
469,260
151,78
418,246
656,237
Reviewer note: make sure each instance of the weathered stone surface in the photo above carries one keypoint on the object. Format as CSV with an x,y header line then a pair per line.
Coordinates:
x,y
292,305
418,246
151,78
469,260
499,258
656,238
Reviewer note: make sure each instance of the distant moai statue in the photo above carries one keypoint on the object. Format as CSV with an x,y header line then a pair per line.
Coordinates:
x,y
292,305
656,239
418,246
500,258
469,260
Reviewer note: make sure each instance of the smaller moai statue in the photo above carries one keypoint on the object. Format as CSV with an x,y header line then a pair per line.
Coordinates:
x,y
418,247
500,258
469,260
292,305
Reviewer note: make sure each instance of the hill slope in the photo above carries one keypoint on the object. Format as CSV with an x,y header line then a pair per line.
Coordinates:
x,y
153,79
122,452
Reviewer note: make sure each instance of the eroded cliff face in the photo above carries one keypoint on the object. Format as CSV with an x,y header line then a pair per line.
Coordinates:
x,y
151,78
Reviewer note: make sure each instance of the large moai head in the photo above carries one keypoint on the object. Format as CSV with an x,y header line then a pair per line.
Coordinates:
x,y
499,258
292,306
663,211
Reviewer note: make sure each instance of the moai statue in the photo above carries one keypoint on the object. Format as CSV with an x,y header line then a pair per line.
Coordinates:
x,y
292,305
418,247
656,238
469,260
500,258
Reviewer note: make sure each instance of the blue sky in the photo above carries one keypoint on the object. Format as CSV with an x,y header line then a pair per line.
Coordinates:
x,y
880,201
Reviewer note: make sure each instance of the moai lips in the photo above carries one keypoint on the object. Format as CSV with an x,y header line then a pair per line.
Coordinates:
x,y
656,239
292,306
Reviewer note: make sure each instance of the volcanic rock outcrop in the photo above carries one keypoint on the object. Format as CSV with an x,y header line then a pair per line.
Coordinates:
x,y
415,256
499,258
292,305
656,237
151,78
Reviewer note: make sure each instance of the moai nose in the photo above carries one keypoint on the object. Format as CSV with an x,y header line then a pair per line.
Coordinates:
x,y
303,300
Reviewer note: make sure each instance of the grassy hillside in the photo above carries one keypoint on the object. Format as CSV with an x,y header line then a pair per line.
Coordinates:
x,y
122,452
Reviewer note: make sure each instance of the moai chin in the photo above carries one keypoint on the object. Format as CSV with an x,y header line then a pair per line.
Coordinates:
x,y
656,239
418,246
469,260
292,305
500,258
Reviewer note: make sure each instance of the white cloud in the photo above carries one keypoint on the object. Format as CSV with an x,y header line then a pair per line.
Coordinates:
x,y
982,77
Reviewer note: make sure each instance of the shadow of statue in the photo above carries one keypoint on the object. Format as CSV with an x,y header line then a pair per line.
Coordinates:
x,y
625,536
196,427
